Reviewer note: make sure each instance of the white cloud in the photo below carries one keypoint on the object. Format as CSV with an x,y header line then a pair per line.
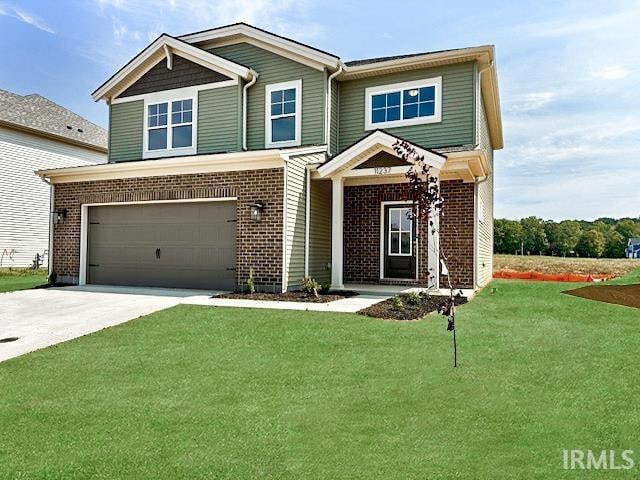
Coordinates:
x,y
611,72
24,16
286,17
532,101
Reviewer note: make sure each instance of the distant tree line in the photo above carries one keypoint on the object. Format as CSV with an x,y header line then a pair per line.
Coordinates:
x,y
604,237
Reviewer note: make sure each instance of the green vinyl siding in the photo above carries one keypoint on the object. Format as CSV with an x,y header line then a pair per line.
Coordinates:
x,y
273,68
295,235
458,107
320,230
125,131
218,120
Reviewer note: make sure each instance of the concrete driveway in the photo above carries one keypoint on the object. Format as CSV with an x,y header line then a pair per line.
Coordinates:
x,y
44,317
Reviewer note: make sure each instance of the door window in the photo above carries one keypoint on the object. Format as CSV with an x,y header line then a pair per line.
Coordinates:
x,y
400,231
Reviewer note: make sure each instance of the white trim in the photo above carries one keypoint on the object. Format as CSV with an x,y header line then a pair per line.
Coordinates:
x,y
400,87
175,92
337,226
189,52
285,215
297,85
52,196
219,162
84,224
250,32
307,219
168,98
374,172
383,205
433,252
365,148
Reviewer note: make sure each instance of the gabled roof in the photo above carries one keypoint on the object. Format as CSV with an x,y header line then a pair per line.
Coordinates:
x,y
376,141
40,115
243,31
163,47
634,241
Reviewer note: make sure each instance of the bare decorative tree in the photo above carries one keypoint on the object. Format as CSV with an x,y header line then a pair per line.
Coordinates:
x,y
427,205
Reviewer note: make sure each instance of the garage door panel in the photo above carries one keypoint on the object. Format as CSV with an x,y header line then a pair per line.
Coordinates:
x,y
196,242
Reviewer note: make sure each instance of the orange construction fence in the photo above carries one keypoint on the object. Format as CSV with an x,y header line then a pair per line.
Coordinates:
x,y
548,277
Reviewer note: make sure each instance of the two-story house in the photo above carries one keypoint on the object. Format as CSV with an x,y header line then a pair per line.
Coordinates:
x,y
234,151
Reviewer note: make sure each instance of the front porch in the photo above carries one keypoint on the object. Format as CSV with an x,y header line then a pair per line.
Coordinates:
x,y
373,241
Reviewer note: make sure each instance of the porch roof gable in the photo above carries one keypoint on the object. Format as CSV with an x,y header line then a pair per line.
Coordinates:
x,y
363,149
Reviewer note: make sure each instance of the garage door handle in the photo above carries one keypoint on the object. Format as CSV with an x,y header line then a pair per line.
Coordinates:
x,y
231,269
158,253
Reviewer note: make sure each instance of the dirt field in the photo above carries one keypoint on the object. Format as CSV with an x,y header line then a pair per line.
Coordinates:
x,y
628,295
558,265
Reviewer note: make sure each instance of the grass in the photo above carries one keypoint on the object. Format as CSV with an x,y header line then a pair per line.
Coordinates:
x,y
558,265
12,279
200,392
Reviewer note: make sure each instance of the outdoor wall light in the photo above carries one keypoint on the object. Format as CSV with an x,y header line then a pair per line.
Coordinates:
x,y
256,211
59,215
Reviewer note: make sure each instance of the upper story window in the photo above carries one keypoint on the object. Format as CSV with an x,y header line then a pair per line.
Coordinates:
x,y
169,127
402,104
283,114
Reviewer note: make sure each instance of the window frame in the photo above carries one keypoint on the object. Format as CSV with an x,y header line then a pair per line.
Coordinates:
x,y
169,98
297,86
435,82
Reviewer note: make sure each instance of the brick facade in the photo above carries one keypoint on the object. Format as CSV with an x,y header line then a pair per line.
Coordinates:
x,y
362,206
259,244
456,232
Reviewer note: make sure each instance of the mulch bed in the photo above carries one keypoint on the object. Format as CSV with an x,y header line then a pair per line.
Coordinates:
x,y
428,304
289,296
627,295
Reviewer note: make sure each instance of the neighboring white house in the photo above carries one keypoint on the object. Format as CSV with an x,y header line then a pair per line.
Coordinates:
x,y
37,133
633,248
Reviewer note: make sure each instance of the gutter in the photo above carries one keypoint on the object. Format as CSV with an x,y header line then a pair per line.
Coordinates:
x,y
253,80
327,128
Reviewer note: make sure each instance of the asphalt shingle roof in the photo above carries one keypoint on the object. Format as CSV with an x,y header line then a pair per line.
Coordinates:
x,y
39,113
355,63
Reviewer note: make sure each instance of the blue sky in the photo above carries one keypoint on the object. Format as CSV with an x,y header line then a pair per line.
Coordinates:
x,y
569,73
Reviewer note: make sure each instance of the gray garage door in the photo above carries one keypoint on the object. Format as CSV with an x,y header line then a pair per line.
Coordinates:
x,y
179,245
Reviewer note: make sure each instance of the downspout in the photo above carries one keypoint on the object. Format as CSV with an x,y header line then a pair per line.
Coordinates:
x,y
327,128
254,79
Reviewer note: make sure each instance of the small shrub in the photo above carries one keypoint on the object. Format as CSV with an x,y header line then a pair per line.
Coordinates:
x,y
397,303
310,286
250,286
413,298
325,288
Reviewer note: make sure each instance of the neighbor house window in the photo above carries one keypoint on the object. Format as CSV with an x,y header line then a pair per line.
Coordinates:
x,y
170,128
283,114
403,104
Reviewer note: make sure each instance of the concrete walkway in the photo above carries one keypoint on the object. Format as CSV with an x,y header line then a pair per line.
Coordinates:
x,y
345,305
44,317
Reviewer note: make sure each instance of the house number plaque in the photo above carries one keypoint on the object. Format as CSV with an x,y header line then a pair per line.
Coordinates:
x,y
382,170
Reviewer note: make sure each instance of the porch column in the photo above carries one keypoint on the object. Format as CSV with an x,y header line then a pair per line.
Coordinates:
x,y
433,249
337,222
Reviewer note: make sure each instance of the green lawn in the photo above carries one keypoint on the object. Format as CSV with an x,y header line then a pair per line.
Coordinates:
x,y
21,279
198,392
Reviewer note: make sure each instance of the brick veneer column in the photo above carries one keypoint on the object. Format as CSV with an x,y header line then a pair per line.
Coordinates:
x,y
456,232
